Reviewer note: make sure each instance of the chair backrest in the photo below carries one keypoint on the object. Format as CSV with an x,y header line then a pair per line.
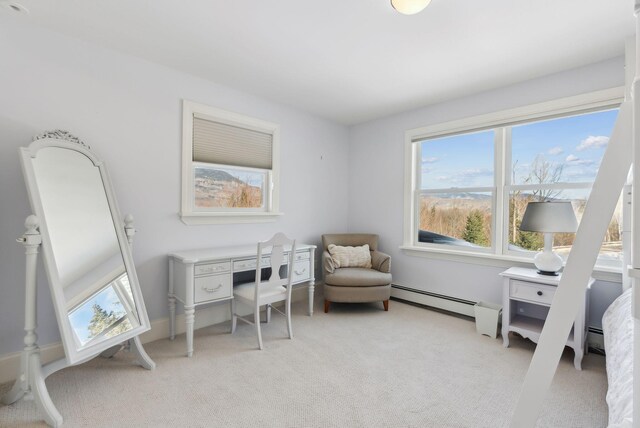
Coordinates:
x,y
279,244
350,240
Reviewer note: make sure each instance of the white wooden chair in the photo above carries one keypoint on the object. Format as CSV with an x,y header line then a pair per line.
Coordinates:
x,y
273,290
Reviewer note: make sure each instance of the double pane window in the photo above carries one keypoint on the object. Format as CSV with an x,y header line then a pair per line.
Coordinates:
x,y
472,187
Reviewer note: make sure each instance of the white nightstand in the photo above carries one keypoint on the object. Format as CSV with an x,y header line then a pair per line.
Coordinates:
x,y
526,298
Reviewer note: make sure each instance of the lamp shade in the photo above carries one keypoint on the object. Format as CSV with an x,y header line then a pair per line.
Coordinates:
x,y
409,7
549,217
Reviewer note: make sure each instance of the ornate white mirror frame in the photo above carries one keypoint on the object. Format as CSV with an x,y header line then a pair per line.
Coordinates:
x,y
87,266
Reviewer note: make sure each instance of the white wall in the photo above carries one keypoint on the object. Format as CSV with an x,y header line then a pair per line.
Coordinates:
x,y
129,111
376,174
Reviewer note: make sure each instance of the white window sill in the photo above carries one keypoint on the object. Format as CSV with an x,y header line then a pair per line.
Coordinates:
x,y
601,273
229,218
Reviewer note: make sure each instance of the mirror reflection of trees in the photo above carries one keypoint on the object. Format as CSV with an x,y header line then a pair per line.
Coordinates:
x,y
102,320
105,314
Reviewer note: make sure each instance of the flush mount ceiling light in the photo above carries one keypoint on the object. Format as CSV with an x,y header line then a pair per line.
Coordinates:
x,y
14,7
409,7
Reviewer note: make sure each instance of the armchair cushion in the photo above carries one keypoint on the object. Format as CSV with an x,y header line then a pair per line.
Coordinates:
x,y
348,256
357,277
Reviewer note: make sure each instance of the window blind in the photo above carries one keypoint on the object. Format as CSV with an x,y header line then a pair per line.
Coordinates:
x,y
221,143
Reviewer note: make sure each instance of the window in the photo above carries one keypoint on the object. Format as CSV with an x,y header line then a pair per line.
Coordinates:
x,y
457,190
230,167
468,182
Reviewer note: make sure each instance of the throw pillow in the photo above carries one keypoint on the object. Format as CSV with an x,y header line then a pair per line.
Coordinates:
x,y
350,256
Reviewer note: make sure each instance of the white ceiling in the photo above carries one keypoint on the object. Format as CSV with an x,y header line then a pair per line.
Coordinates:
x,y
351,60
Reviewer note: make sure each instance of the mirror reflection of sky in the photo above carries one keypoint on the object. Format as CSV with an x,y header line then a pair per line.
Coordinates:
x,y
575,143
80,317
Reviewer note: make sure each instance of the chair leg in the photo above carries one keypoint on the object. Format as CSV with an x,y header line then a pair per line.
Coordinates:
x,y
256,320
326,306
289,326
386,304
234,317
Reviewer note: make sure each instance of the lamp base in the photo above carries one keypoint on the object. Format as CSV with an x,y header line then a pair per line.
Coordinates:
x,y
548,273
548,262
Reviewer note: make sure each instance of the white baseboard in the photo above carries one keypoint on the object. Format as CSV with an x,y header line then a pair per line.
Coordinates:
x,y
433,301
10,363
215,314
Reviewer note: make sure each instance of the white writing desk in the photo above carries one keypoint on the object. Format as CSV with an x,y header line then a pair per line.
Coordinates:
x,y
200,277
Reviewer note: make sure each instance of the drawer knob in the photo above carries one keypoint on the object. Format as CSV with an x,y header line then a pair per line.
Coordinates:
x,y
539,293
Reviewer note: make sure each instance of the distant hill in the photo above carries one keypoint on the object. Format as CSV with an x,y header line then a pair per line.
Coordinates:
x,y
463,195
482,196
215,175
218,188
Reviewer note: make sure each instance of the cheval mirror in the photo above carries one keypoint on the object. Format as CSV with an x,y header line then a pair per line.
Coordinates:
x,y
87,256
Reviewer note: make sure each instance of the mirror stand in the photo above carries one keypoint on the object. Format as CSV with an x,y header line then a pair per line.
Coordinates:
x,y
30,383
134,344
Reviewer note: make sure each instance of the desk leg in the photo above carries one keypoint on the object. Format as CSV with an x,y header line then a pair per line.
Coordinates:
x,y
311,291
234,317
172,317
189,315
172,303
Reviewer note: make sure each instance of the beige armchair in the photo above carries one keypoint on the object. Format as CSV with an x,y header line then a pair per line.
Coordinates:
x,y
356,284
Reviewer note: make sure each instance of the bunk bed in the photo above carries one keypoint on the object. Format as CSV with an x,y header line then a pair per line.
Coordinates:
x,y
622,323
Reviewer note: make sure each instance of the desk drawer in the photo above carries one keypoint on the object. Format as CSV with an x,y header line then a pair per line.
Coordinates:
x,y
212,287
209,268
249,264
531,292
301,271
301,256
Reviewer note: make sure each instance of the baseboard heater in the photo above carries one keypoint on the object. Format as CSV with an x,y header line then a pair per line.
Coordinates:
x,y
595,338
434,300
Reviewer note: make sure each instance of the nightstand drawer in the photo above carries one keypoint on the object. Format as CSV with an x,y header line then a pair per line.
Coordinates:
x,y
531,292
210,268
212,287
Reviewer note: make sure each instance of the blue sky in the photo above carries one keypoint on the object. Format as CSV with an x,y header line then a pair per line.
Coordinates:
x,y
577,143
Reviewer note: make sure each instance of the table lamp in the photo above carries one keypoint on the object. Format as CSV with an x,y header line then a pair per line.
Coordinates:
x,y
549,218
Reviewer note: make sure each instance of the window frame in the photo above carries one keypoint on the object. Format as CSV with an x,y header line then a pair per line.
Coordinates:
x,y
188,213
500,122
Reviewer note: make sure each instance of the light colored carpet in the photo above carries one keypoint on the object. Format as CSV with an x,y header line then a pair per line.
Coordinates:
x,y
357,366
